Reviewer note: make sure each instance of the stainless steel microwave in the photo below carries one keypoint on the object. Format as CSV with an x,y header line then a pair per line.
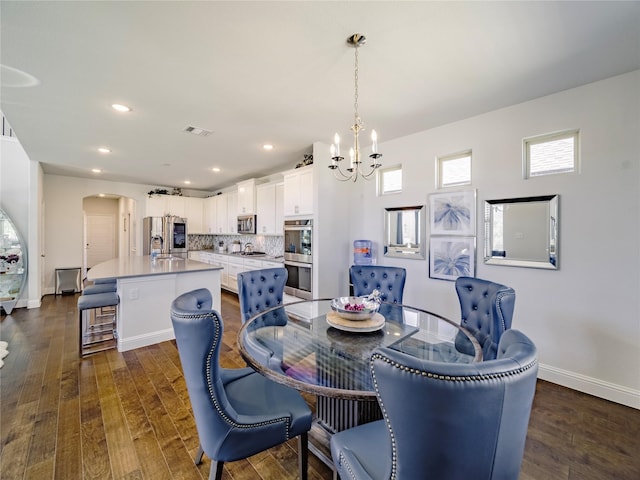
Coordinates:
x,y
246,224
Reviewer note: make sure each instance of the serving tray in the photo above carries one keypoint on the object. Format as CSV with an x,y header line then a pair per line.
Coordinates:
x,y
376,322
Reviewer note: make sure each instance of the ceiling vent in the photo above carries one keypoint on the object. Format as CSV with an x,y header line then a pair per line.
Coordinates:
x,y
201,132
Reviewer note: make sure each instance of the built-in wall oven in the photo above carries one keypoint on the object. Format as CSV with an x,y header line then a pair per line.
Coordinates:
x,y
298,258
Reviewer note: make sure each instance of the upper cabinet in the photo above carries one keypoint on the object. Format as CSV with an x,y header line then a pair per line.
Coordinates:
x,y
156,206
269,209
210,214
247,197
232,212
222,213
298,191
194,213
161,205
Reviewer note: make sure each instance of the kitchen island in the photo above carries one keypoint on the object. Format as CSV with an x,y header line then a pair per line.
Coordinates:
x,y
147,288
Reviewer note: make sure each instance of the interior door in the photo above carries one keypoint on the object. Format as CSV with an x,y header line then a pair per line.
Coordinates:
x,y
100,244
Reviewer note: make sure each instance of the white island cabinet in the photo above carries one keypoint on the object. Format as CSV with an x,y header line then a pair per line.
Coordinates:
x,y
147,288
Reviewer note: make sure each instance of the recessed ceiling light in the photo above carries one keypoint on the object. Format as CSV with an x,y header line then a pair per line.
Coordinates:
x,y
120,108
187,182
215,169
104,150
96,170
101,194
267,146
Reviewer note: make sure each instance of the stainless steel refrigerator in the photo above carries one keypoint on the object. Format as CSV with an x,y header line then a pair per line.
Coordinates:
x,y
168,234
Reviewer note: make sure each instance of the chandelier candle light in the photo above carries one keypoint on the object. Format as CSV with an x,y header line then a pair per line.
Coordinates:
x,y
355,164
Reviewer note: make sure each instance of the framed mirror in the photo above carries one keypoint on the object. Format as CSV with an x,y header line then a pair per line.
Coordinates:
x,y
13,264
522,232
405,231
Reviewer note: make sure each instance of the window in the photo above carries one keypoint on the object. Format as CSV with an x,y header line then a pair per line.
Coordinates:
x,y
549,154
390,180
453,170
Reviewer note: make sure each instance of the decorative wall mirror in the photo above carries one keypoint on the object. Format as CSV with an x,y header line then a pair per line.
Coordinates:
x,y
405,232
522,232
13,263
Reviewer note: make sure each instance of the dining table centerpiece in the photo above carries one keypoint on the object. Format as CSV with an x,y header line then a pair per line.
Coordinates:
x,y
356,314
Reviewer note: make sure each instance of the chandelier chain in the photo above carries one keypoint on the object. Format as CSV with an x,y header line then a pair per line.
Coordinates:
x,y
355,103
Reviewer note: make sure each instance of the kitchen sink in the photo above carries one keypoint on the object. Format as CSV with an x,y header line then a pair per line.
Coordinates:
x,y
164,258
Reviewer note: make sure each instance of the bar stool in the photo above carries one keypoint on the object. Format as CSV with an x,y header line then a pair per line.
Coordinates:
x,y
97,315
99,288
101,285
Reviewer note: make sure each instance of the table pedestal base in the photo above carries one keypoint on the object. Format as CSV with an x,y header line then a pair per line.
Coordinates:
x,y
337,414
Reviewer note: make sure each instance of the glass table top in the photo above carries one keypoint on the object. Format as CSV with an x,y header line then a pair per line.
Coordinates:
x,y
304,345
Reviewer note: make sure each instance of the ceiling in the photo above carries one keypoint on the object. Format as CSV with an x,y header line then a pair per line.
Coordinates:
x,y
279,73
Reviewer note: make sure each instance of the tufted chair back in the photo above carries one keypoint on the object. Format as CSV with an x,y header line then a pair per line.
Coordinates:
x,y
259,290
388,280
487,311
444,420
238,412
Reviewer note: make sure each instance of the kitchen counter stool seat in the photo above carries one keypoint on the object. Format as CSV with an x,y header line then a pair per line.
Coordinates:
x,y
97,315
99,288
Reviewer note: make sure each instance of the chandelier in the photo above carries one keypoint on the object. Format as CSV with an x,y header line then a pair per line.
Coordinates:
x,y
355,168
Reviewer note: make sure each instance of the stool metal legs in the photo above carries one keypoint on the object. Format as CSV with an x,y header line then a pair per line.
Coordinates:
x,y
97,329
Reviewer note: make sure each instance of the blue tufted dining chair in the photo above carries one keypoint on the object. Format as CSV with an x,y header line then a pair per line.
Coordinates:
x,y
389,281
448,421
487,311
259,290
238,412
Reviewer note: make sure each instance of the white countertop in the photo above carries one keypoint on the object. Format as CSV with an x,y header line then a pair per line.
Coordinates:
x,y
141,266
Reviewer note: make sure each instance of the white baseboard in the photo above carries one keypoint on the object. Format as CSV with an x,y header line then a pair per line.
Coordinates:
x,y
592,386
145,340
34,303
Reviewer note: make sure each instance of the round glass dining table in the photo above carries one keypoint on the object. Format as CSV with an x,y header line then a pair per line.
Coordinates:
x,y
307,346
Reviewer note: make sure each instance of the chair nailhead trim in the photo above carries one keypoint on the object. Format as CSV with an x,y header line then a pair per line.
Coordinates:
x,y
212,396
446,378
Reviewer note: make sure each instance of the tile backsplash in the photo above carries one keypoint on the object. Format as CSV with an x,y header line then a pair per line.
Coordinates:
x,y
270,244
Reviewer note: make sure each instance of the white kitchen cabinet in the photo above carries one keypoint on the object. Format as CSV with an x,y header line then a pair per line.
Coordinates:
x,y
161,205
246,197
194,213
269,209
156,206
268,264
175,205
232,212
207,257
221,209
236,266
195,255
221,261
251,264
298,191
210,215
226,213
279,230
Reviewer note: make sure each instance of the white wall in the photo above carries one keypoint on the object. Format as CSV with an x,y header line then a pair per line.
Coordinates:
x,y
583,317
64,219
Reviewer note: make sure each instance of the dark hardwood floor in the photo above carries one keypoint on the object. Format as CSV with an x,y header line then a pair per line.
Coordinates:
x,y
127,415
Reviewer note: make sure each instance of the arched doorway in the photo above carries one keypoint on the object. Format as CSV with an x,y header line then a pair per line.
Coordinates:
x,y
109,228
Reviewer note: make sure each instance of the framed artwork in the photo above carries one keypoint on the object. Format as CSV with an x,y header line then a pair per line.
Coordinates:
x,y
453,213
451,257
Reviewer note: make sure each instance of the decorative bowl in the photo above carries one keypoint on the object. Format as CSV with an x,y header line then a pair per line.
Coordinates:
x,y
355,308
